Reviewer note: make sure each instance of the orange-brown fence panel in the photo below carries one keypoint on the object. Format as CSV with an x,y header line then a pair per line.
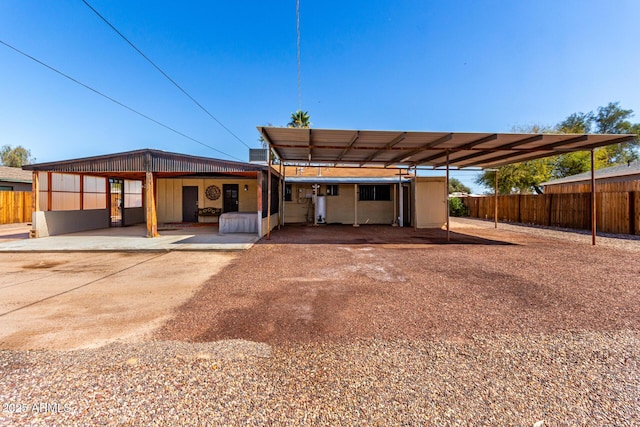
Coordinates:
x,y
634,211
616,212
15,206
613,213
534,209
571,210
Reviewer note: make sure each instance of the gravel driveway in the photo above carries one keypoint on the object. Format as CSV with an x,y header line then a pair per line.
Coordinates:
x,y
370,326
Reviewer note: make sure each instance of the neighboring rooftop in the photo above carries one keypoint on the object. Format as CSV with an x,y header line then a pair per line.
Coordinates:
x,y
632,168
9,174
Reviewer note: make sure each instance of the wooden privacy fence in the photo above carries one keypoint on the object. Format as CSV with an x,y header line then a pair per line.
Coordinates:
x,y
15,206
616,212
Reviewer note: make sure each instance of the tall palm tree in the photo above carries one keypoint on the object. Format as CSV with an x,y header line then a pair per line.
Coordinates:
x,y
300,119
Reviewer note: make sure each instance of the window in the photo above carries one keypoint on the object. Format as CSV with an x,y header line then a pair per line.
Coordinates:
x,y
94,192
132,193
287,193
332,190
65,192
374,192
6,188
43,178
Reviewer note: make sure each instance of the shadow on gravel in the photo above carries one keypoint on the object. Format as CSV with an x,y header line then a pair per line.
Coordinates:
x,y
371,235
305,313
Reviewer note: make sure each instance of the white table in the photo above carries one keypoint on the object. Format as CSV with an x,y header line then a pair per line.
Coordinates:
x,y
238,222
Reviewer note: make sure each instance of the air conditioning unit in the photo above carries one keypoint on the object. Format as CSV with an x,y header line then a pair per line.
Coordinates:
x,y
258,155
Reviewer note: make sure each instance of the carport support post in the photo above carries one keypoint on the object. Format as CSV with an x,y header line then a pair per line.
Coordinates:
x,y
355,204
281,196
593,197
400,201
150,203
395,206
35,189
446,189
495,202
259,180
269,195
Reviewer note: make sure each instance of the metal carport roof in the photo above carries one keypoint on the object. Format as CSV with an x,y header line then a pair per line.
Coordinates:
x,y
408,148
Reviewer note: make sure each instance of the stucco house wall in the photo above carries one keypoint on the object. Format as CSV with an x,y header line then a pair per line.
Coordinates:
x,y
430,202
170,196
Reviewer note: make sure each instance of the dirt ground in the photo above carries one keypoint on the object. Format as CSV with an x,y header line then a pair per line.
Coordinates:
x,y
62,301
330,326
333,283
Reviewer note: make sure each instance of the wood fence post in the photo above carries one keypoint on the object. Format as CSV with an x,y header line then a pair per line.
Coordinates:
x,y
632,212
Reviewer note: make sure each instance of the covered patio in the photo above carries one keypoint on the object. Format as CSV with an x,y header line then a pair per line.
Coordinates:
x,y
428,150
148,187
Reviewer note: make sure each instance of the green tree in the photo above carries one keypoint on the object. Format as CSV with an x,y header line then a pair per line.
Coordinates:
x,y
571,164
613,119
456,186
300,119
518,178
15,157
576,123
523,177
526,176
578,162
457,207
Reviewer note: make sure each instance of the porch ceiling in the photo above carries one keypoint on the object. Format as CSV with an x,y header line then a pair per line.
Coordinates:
x,y
406,148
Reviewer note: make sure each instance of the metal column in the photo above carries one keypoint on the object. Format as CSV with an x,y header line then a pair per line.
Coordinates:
x,y
593,198
495,207
447,193
269,194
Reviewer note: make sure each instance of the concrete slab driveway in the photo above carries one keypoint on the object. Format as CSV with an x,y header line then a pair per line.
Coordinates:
x,y
78,300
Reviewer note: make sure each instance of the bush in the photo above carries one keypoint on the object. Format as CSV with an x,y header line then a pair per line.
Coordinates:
x,y
457,207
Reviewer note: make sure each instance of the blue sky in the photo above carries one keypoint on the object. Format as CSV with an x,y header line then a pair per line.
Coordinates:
x,y
459,66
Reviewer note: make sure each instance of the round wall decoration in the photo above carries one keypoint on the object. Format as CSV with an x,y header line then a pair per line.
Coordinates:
x,y
212,192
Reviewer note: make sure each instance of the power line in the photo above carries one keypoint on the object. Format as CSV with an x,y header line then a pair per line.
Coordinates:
x,y
164,74
298,46
115,100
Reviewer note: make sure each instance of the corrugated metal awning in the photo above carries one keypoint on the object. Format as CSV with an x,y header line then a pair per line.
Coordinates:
x,y
405,148
147,160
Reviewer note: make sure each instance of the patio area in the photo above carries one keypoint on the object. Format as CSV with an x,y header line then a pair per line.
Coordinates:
x,y
173,237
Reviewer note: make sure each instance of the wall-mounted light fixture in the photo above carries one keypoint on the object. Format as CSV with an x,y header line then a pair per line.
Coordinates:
x,y
246,187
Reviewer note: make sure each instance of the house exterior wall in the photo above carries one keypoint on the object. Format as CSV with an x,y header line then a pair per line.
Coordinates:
x,y
132,216
375,212
296,210
14,186
169,196
340,208
53,223
265,221
430,202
